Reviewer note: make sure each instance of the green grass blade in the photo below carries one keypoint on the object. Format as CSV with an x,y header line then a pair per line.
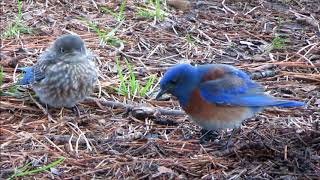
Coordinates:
x,y
278,42
16,28
158,10
148,86
118,16
122,10
132,79
123,90
105,38
109,11
38,170
156,13
19,17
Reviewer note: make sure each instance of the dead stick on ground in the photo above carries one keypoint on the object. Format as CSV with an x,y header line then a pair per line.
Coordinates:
x,y
137,111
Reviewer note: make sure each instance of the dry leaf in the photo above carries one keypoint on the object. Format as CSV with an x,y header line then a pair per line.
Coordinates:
x,y
309,88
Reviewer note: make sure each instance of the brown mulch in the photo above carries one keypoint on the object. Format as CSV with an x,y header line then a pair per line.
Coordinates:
x,y
106,142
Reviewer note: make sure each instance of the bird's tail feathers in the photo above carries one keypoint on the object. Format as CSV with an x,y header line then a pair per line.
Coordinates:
x,y
260,100
284,103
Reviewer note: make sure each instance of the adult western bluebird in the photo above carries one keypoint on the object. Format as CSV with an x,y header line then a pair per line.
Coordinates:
x,y
64,74
217,96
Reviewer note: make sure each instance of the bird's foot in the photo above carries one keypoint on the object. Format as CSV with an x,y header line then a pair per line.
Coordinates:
x,y
208,135
76,110
226,146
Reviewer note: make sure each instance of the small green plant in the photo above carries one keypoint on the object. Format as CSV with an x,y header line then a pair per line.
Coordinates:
x,y
278,42
159,14
147,86
25,170
133,83
1,75
122,89
156,12
1,79
129,86
119,16
16,28
11,91
189,38
106,38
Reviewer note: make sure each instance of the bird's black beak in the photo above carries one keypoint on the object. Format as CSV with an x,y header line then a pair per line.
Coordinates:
x,y
162,92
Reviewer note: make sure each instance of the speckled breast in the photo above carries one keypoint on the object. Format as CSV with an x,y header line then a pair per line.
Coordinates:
x,y
67,84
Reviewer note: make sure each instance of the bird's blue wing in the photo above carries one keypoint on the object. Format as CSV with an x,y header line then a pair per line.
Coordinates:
x,y
37,72
27,75
237,89
31,74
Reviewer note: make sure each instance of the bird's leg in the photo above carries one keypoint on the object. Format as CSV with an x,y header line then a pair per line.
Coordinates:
x,y
229,141
76,110
208,135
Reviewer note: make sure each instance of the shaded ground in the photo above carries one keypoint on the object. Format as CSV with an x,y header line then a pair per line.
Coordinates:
x,y
277,36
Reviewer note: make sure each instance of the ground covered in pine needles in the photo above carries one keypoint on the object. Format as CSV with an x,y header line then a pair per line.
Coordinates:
x,y
137,137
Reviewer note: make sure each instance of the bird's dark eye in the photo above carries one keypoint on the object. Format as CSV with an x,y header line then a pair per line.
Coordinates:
x,y
62,50
173,81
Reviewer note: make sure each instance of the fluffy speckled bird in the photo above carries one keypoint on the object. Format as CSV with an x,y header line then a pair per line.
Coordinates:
x,y
64,74
217,96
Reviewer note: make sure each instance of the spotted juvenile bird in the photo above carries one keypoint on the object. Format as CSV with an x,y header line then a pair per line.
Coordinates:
x,y
217,96
64,74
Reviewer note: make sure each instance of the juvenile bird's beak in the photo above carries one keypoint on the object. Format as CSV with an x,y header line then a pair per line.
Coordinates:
x,y
162,92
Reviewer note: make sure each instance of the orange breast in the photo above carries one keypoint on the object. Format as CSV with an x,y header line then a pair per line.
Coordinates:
x,y
217,116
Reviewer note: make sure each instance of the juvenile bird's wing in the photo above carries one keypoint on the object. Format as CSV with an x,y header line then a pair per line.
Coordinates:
x,y
27,76
37,72
234,87
31,75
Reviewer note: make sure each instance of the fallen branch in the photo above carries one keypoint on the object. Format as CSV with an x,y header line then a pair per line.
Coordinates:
x,y
262,74
139,112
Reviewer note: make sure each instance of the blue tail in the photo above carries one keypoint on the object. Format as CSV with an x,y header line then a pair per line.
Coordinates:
x,y
27,76
283,103
268,101
257,100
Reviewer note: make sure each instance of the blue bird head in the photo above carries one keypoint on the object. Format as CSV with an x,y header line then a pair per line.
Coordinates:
x,y
179,81
69,45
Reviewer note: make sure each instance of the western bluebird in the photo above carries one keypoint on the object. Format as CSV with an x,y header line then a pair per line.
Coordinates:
x,y
217,96
64,74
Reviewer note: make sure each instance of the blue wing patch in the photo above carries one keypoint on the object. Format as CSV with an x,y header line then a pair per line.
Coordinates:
x,y
31,74
237,89
27,75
